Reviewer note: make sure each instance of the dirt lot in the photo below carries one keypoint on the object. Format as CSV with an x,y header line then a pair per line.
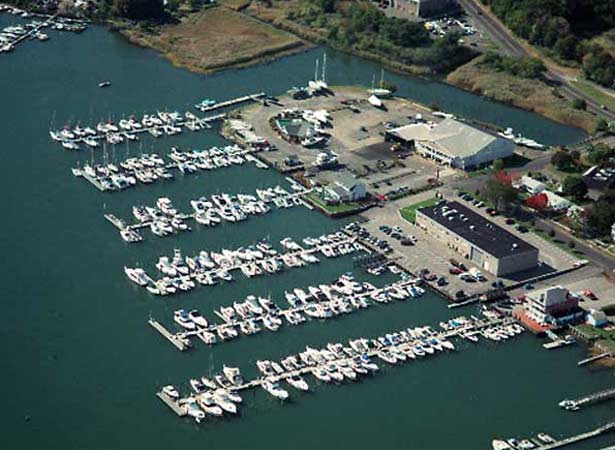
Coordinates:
x,y
217,38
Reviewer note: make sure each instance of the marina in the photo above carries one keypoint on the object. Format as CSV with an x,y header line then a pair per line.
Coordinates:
x,y
257,313
545,442
182,274
149,168
334,363
160,123
11,36
164,219
82,293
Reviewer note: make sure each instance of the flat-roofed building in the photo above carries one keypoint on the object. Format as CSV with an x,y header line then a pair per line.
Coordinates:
x,y
477,239
453,143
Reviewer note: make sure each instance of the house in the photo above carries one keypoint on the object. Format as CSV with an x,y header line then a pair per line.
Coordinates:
x,y
452,143
553,305
531,185
346,188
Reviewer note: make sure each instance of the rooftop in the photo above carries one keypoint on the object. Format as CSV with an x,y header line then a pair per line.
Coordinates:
x,y
474,228
456,138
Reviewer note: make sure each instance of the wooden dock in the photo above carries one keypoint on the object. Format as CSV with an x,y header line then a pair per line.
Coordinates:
x,y
173,404
594,358
609,427
233,102
594,397
181,344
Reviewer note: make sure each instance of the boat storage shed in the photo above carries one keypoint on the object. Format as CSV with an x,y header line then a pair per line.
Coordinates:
x,y
453,143
484,243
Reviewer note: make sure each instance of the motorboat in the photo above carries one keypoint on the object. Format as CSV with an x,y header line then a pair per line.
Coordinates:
x,y
274,389
298,382
197,318
233,374
182,319
170,391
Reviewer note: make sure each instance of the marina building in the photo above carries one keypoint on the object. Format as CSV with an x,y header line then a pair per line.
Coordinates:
x,y
452,143
477,239
553,306
531,185
346,188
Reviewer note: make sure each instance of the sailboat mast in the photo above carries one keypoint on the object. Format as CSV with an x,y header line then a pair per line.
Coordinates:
x,y
324,67
316,71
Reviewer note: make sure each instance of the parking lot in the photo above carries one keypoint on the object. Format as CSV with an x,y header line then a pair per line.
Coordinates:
x,y
426,253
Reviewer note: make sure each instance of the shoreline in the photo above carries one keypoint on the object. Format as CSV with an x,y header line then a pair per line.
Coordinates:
x,y
274,54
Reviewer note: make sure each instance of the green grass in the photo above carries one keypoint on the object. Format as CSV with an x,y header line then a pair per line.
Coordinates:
x,y
409,212
332,209
596,94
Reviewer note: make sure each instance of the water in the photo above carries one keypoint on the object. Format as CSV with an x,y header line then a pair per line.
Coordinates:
x,y
81,364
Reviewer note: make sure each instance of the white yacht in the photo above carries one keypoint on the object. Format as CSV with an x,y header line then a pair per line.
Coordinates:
x,y
197,318
171,392
298,382
274,389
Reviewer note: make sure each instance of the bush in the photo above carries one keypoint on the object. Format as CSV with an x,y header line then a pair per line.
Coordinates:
x,y
551,232
571,244
579,103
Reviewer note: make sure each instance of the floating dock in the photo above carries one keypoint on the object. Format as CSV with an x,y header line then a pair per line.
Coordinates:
x,y
589,399
233,102
178,409
609,427
594,358
180,343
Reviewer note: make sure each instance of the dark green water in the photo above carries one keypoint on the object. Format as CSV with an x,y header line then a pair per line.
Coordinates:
x,y
81,363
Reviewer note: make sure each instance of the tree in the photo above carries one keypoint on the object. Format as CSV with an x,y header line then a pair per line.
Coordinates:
x,y
139,9
500,193
579,103
562,160
600,153
602,216
575,187
567,47
327,6
602,125
498,164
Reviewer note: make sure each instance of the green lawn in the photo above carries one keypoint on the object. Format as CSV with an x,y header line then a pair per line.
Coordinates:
x,y
409,212
605,337
596,94
332,209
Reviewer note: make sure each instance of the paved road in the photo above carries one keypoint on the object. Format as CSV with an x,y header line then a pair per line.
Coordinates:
x,y
595,256
511,46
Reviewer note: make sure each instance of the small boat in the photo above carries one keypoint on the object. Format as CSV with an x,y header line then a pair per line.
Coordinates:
x,y
375,101
298,382
103,84
197,318
274,389
171,391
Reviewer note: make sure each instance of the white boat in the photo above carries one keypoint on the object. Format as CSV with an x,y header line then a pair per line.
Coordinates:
x,y
208,404
222,399
298,382
103,84
498,444
375,101
182,319
138,276
194,411
197,318
233,374
274,389
171,391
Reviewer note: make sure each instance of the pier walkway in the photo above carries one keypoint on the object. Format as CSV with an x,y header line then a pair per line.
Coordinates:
x,y
589,399
609,427
233,102
182,342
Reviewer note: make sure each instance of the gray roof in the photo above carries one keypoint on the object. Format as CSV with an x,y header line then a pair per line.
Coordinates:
x,y
455,138
346,179
477,230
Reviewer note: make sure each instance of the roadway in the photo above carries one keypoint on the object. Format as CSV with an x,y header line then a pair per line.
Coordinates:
x,y
510,45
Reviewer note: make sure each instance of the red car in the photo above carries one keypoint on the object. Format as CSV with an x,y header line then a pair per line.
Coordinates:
x,y
589,294
454,270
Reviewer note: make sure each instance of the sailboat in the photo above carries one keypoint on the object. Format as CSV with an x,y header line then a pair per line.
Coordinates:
x,y
314,84
322,83
380,91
